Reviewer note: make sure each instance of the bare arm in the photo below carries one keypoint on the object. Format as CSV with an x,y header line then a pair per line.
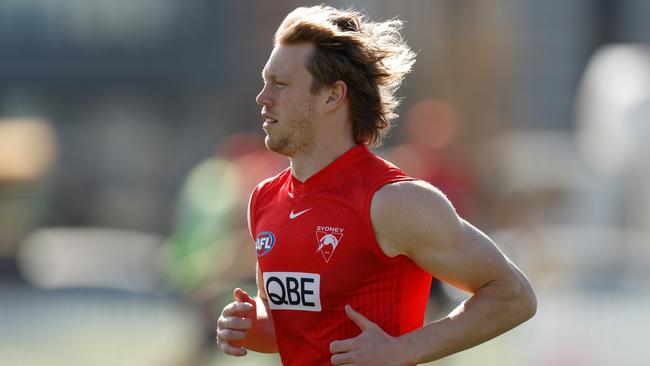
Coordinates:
x,y
261,337
247,323
415,219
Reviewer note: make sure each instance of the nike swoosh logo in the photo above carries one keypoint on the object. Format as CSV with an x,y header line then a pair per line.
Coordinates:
x,y
294,215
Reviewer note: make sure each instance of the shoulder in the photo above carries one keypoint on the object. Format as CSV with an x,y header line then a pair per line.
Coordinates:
x,y
278,178
262,193
408,213
271,183
410,195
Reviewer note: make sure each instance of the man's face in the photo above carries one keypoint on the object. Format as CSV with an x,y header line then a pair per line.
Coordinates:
x,y
288,106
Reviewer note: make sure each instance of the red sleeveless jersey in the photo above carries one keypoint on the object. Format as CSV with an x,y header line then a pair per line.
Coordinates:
x,y
317,252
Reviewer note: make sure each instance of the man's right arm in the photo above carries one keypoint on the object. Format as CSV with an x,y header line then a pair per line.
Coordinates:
x,y
261,337
246,323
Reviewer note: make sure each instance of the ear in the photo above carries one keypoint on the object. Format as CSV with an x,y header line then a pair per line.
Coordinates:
x,y
337,94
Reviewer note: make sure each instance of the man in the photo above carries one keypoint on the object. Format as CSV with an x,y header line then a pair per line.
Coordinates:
x,y
346,242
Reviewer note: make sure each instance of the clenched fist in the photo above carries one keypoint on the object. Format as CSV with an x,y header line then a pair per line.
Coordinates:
x,y
236,319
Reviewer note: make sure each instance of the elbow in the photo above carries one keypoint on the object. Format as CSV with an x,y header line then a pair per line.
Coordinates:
x,y
530,304
518,299
524,300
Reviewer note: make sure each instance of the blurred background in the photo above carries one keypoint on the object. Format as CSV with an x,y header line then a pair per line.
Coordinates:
x,y
130,141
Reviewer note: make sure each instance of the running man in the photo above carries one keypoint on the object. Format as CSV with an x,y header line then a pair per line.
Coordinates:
x,y
347,243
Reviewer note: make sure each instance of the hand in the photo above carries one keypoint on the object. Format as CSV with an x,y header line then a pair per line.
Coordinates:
x,y
372,347
236,319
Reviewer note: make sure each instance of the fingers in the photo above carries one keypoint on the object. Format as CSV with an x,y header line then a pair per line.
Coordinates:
x,y
231,322
347,345
236,320
240,309
344,345
230,333
342,358
241,296
361,321
229,339
229,349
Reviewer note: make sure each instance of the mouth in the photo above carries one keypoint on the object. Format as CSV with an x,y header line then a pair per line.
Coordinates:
x,y
269,120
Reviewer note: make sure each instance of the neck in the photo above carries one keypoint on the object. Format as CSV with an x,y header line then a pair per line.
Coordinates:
x,y
304,165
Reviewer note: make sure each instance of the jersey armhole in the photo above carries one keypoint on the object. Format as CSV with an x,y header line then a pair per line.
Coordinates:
x,y
251,211
367,219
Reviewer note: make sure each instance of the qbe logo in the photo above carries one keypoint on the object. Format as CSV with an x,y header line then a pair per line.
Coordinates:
x,y
264,243
293,290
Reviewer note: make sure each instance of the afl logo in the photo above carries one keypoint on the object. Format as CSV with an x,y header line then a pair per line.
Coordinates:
x,y
264,243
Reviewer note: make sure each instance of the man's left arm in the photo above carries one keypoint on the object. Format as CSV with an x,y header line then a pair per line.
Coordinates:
x,y
417,220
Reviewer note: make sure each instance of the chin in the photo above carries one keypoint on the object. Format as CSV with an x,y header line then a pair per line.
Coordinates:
x,y
276,146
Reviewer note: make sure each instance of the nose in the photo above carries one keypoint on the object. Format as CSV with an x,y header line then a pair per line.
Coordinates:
x,y
263,98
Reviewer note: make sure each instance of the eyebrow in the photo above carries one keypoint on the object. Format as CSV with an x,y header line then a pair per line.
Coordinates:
x,y
272,77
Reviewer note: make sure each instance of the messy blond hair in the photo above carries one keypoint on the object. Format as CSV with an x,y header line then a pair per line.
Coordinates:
x,y
370,57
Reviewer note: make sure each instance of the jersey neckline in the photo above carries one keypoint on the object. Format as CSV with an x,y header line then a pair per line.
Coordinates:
x,y
330,169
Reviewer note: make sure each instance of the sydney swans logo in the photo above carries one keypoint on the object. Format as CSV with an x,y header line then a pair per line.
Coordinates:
x,y
328,239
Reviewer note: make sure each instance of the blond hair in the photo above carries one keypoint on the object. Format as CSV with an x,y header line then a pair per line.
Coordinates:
x,y
370,57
